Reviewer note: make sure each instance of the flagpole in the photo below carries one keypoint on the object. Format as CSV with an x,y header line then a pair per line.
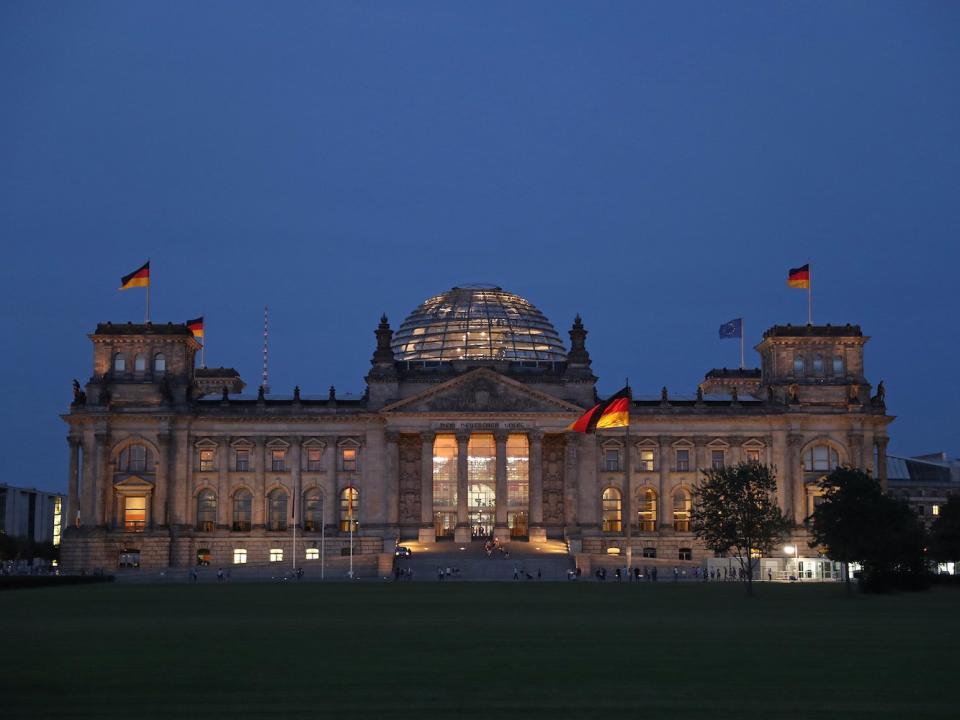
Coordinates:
x,y
628,535
350,517
741,343
296,494
809,295
149,281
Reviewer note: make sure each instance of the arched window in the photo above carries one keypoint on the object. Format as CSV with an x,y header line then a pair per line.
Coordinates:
x,y
798,366
818,365
313,511
159,363
349,509
139,364
242,510
136,459
610,501
820,458
207,510
119,363
647,514
681,510
277,510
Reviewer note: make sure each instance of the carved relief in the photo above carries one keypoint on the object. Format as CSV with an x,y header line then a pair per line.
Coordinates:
x,y
482,394
409,478
554,462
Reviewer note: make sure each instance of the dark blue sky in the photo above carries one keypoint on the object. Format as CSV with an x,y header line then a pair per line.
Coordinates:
x,y
656,167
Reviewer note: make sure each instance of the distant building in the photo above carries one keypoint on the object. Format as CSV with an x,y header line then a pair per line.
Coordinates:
x,y
460,435
924,481
31,513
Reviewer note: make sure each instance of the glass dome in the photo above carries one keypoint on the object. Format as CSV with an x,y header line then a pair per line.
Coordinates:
x,y
477,323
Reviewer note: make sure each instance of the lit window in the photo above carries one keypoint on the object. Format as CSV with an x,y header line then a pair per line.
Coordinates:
x,y
204,557
646,460
242,510
716,459
313,554
445,474
349,510
681,511
278,460
129,559
207,457
753,455
685,554
649,552
820,458
611,460
243,460
134,513
119,363
518,479
610,501
57,519
348,459
159,363
276,554
277,510
647,514
207,511
798,365
683,460
239,556
313,511
314,456
818,365
935,510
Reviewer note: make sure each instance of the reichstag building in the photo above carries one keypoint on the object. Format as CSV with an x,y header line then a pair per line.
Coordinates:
x,y
460,434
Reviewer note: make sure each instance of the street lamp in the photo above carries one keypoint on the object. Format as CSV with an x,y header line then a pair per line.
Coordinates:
x,y
795,551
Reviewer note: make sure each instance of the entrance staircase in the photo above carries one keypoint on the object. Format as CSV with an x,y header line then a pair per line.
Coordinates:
x,y
469,561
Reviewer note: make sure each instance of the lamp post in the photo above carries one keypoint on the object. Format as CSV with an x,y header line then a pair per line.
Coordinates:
x,y
795,551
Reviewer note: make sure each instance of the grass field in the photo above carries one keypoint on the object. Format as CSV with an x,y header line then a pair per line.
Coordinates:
x,y
483,650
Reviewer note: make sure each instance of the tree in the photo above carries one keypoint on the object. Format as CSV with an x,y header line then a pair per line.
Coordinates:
x,y
945,532
856,521
734,509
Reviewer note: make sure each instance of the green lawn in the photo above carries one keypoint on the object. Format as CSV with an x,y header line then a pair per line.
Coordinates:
x,y
484,650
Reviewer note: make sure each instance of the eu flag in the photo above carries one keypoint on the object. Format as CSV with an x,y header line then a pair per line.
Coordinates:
x,y
732,329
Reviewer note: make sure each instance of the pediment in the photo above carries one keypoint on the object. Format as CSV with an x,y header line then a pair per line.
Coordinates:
x,y
482,391
133,482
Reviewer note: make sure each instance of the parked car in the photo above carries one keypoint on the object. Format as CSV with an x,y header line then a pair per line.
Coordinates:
x,y
403,552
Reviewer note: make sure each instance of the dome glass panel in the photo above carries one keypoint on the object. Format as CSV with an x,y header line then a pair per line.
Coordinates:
x,y
477,323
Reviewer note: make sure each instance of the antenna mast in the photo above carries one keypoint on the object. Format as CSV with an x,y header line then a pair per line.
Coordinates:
x,y
266,355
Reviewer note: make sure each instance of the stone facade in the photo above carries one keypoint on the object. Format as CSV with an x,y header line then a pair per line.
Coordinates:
x,y
165,472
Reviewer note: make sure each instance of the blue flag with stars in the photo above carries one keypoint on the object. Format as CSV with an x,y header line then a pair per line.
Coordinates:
x,y
732,329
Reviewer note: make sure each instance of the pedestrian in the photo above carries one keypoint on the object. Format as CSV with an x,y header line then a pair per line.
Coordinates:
x,y
616,574
676,573
516,572
439,573
539,576
219,574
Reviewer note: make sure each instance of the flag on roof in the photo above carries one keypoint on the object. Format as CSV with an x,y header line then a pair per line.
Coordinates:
x,y
612,412
138,278
196,326
799,277
732,329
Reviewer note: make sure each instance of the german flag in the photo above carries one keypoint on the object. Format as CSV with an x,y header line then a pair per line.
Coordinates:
x,y
612,412
799,277
196,326
138,278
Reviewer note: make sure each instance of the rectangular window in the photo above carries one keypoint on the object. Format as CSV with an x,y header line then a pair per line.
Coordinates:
x,y
611,460
206,460
314,456
134,513
716,459
683,460
239,556
753,456
649,552
276,554
818,365
243,460
313,554
348,458
838,365
798,365
58,519
685,554
646,461
935,510
278,460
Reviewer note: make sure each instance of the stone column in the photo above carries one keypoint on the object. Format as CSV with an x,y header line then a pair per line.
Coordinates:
x,y
428,532
181,477
462,532
795,478
664,511
778,457
104,486
882,441
88,483
699,455
161,490
223,482
538,532
571,483
296,487
331,510
259,481
855,449
73,498
391,487
500,529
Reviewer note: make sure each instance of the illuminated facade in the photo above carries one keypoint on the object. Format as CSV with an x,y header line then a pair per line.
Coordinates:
x,y
460,434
